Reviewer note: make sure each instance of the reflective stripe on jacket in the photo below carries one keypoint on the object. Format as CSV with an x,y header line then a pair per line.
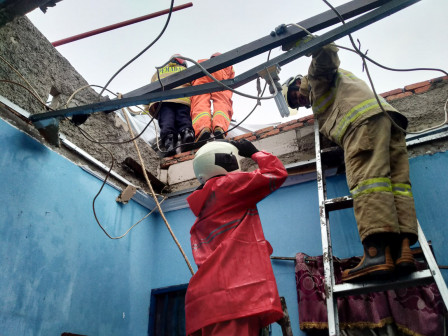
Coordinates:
x,y
339,98
168,70
235,277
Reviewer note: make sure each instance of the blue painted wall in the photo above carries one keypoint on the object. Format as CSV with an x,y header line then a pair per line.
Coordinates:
x,y
291,224
59,272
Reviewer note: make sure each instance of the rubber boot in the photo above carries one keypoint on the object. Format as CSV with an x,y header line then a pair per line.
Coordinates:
x,y
186,139
377,262
404,259
218,133
169,145
203,137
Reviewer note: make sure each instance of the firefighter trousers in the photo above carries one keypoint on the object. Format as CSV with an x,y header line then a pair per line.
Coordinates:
x,y
377,168
201,113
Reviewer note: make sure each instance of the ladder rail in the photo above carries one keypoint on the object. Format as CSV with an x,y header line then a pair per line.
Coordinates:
x,y
327,251
333,291
432,265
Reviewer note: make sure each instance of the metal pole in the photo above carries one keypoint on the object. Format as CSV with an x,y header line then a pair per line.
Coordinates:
x,y
118,25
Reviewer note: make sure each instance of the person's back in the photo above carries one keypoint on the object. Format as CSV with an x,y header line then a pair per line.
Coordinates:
x,y
235,285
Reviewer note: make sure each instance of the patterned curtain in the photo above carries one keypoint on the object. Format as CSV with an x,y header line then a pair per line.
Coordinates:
x,y
413,311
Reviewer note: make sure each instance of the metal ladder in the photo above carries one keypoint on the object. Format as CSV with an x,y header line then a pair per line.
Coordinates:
x,y
333,291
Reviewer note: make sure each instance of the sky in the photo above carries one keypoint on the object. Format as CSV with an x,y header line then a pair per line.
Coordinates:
x,y
414,37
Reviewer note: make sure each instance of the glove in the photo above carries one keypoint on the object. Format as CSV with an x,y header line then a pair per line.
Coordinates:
x,y
303,40
245,147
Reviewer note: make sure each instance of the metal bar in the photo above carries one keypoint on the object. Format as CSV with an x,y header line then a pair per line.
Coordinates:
x,y
416,278
118,25
327,250
153,91
313,24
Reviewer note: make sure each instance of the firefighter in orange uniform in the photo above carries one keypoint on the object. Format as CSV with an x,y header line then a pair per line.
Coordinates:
x,y
234,291
203,121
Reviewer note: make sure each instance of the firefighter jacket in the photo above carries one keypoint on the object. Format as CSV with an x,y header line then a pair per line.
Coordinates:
x,y
168,70
339,99
234,278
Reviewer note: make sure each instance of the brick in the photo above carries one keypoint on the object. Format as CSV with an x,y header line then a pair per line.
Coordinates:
x,y
391,93
273,132
186,158
166,163
439,79
310,122
308,117
400,95
182,154
291,122
243,136
416,85
264,130
252,138
290,127
423,89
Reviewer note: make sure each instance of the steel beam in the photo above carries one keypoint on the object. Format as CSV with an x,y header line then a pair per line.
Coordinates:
x,y
152,92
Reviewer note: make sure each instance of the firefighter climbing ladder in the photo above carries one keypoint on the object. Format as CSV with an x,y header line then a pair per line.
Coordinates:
x,y
333,291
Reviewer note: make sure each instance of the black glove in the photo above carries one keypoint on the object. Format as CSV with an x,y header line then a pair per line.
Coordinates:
x,y
245,147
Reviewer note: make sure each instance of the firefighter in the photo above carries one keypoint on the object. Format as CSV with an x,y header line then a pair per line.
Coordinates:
x,y
203,122
234,291
376,159
174,114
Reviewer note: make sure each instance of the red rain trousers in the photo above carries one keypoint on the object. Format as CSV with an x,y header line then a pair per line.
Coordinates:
x,y
235,278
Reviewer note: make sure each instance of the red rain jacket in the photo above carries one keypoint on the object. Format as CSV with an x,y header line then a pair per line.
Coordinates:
x,y
235,277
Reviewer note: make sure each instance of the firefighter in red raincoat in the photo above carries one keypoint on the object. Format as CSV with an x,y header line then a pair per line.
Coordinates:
x,y
234,290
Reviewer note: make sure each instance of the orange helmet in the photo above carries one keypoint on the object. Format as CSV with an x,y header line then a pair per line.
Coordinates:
x,y
215,54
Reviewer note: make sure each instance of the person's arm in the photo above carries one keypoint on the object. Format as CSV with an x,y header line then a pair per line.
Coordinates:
x,y
323,68
252,187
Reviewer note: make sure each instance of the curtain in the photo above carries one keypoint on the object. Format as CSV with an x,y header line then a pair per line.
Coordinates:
x,y
412,311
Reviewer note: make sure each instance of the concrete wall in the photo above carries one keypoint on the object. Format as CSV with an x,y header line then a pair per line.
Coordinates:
x,y
59,271
48,72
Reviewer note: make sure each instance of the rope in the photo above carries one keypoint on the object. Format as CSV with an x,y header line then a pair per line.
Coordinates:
x,y
153,194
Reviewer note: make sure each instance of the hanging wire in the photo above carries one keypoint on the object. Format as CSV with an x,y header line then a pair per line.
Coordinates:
x,y
143,51
258,98
155,198
364,57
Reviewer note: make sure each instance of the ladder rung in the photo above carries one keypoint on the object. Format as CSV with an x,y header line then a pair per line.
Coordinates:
x,y
338,203
417,278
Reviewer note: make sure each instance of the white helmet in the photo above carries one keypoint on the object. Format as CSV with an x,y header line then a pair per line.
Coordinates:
x,y
215,158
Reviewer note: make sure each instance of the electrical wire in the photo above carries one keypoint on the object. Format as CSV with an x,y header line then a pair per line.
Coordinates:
x,y
143,51
364,57
216,80
208,74
99,192
155,198
23,78
31,92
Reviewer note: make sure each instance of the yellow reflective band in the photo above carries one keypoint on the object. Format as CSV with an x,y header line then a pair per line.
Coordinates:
x,y
171,69
221,114
402,189
347,74
324,101
380,184
355,113
200,115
